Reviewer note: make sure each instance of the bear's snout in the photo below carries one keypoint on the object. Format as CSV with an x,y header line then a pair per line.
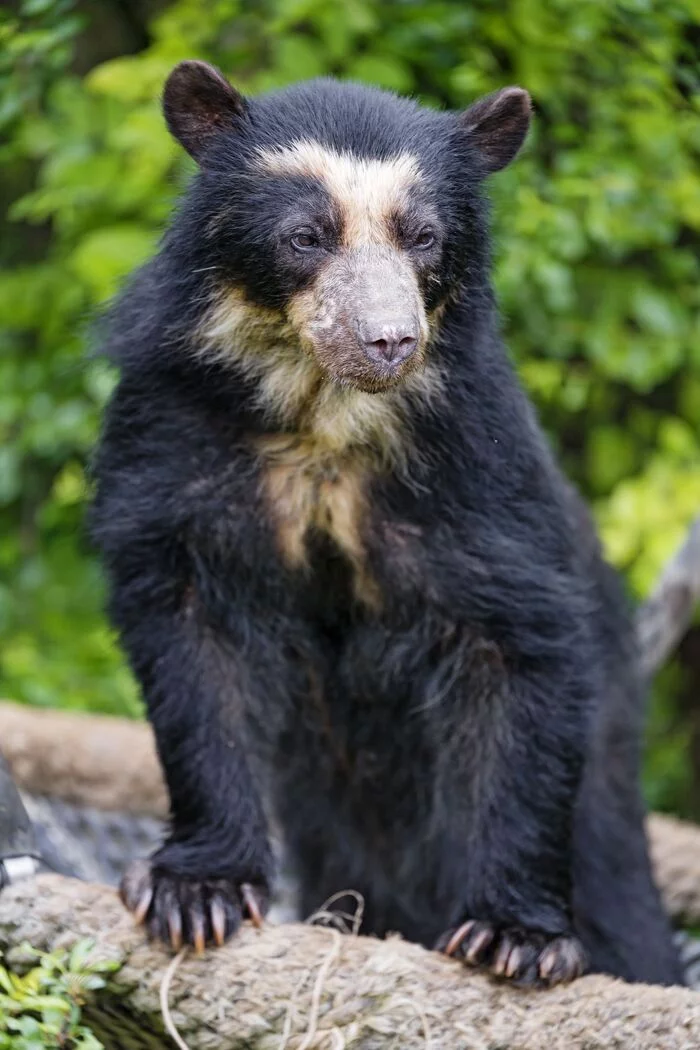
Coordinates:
x,y
388,343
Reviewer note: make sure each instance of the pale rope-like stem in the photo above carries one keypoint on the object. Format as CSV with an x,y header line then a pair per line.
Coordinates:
x,y
165,1006
355,920
422,1016
318,990
287,1029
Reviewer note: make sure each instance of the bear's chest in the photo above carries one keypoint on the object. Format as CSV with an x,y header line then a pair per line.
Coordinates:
x,y
310,494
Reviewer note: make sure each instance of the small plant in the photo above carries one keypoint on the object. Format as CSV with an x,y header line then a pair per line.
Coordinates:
x,y
43,1008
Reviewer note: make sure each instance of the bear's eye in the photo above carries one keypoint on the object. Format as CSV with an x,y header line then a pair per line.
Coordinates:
x,y
304,241
425,239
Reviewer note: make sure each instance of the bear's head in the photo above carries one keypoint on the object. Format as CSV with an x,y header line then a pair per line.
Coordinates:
x,y
335,218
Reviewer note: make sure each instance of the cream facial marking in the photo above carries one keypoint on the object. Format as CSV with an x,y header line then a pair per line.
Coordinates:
x,y
367,191
293,390
265,346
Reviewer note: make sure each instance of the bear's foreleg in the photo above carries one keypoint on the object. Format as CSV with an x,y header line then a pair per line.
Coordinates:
x,y
514,739
215,866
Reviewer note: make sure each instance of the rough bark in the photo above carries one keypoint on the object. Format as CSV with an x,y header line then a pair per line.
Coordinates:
x,y
675,851
663,619
93,760
259,992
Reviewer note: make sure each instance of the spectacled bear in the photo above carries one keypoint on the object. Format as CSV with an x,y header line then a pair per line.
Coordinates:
x,y
359,597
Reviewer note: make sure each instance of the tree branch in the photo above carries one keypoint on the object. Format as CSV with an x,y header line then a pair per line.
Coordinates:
x,y
665,616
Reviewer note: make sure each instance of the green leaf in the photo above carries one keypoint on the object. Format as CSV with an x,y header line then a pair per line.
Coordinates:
x,y
381,70
103,258
80,953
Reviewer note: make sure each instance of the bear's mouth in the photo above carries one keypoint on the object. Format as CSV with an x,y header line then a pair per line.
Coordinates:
x,y
370,377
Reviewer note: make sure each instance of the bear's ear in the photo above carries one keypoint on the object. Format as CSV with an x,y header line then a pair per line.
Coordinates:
x,y
198,103
497,125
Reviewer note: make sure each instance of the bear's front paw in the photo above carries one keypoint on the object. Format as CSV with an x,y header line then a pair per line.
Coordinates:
x,y
526,957
178,910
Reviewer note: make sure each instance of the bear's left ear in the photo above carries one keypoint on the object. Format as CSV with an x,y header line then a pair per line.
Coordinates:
x,y
497,125
198,103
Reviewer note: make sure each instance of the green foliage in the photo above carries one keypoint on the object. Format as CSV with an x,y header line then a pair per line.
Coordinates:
x,y
598,261
42,1008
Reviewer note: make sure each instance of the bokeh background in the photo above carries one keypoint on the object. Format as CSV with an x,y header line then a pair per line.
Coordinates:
x,y
598,270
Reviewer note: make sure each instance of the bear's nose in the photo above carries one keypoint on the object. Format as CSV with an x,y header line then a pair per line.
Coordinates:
x,y
388,343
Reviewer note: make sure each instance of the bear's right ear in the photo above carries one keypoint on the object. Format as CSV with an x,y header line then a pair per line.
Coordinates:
x,y
198,103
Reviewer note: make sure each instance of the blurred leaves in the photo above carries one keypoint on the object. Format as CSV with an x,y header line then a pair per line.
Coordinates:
x,y
598,256
41,1007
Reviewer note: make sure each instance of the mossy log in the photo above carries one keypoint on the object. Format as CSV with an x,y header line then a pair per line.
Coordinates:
x,y
299,987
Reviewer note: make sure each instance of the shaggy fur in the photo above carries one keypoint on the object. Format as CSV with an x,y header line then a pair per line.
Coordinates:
x,y
357,586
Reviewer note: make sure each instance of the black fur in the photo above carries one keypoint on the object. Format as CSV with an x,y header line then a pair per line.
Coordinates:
x,y
472,750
